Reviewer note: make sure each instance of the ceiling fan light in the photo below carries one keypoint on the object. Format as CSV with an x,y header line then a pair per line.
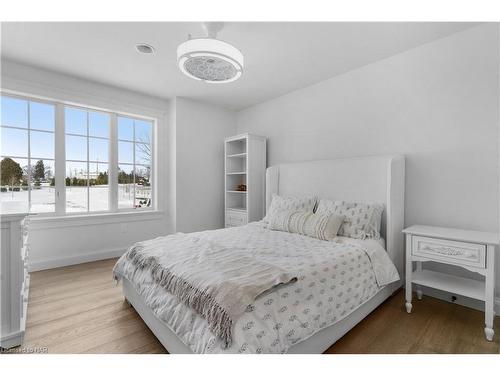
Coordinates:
x,y
238,75
210,60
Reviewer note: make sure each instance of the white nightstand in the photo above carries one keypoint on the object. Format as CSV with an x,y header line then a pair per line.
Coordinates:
x,y
474,251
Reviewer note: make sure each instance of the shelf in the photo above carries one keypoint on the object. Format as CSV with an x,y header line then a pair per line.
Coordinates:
x,y
239,209
242,155
453,284
235,191
235,173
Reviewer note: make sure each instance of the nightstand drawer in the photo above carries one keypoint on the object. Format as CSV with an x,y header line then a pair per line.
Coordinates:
x,y
235,218
453,252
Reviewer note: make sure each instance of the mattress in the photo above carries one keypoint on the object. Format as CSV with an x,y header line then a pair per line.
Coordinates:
x,y
333,280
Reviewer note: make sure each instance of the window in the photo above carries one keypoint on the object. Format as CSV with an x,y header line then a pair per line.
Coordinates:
x,y
134,163
27,152
102,161
87,157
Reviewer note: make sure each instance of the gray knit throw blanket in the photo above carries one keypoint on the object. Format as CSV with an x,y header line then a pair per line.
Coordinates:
x,y
217,282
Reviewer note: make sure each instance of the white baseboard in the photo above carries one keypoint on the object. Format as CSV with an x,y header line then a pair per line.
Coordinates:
x,y
460,300
75,259
12,340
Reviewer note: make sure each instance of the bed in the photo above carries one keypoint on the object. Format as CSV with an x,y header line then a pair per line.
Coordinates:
x,y
336,299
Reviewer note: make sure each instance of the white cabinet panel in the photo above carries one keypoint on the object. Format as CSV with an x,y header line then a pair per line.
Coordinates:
x,y
15,279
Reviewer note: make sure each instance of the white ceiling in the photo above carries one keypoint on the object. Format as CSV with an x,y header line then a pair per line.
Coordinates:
x,y
279,57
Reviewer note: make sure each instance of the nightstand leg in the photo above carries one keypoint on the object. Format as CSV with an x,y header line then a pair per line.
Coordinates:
x,y
409,271
489,333
489,312
409,306
419,288
419,294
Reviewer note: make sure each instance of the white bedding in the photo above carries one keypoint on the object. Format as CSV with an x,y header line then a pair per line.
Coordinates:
x,y
334,279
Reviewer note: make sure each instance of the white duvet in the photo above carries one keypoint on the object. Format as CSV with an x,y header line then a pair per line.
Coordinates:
x,y
334,278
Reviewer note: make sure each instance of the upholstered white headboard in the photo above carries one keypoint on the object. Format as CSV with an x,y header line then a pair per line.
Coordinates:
x,y
374,179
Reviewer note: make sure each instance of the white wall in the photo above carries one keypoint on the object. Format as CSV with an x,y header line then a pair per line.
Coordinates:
x,y
68,241
200,131
438,104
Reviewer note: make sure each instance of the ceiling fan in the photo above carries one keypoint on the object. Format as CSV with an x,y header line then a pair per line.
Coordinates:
x,y
209,59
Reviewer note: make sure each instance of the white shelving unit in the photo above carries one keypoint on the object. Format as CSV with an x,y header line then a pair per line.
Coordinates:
x,y
15,279
244,164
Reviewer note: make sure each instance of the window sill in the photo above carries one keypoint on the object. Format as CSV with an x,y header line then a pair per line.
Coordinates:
x,y
50,222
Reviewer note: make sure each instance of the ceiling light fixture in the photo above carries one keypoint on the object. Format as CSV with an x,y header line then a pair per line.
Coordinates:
x,y
209,59
144,48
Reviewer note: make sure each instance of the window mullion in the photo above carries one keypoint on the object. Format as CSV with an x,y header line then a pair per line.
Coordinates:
x,y
153,166
29,154
60,161
113,164
133,167
88,164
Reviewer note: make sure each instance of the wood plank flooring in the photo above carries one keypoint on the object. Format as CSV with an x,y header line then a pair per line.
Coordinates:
x,y
79,309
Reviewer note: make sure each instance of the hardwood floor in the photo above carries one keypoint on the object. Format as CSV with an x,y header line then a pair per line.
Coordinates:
x,y
79,309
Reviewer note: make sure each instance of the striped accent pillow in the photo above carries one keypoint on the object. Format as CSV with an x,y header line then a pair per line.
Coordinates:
x,y
320,226
289,203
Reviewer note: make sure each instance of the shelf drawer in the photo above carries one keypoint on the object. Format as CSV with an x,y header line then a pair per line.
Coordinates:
x,y
236,218
452,252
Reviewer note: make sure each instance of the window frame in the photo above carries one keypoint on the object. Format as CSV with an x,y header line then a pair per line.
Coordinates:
x,y
29,158
59,160
134,162
88,161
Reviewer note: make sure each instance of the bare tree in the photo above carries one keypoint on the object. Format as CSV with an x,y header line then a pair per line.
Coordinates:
x,y
145,148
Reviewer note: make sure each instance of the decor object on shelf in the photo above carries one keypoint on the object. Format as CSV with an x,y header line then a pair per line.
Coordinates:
x,y
472,250
245,175
209,59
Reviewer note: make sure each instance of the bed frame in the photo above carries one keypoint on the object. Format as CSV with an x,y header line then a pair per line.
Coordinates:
x,y
378,179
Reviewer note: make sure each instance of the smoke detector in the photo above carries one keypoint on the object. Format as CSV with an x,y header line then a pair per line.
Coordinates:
x,y
208,59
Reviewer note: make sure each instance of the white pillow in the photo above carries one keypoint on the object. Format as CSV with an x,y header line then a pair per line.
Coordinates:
x,y
280,203
362,220
322,226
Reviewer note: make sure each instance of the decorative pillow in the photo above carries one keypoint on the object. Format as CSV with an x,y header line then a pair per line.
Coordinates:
x,y
362,220
280,203
321,226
